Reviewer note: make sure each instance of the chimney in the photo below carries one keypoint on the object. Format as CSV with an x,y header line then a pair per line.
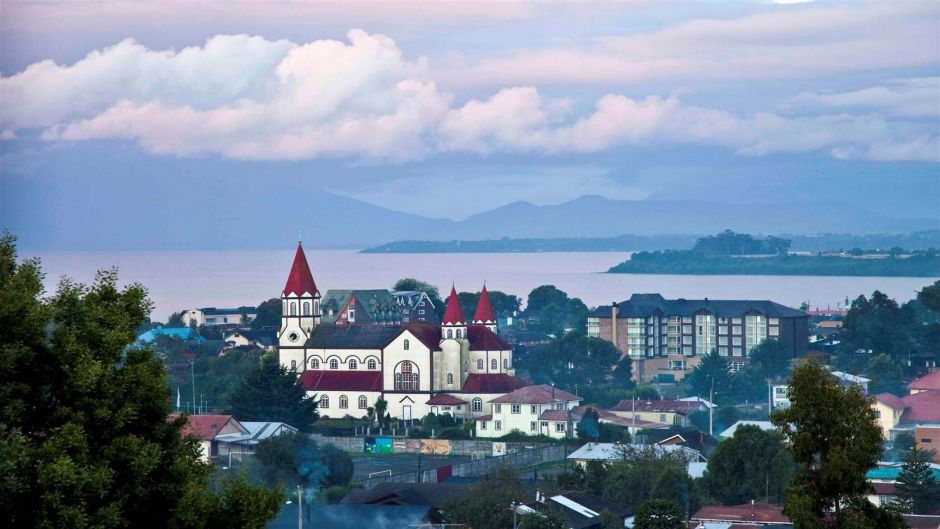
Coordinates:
x,y
614,310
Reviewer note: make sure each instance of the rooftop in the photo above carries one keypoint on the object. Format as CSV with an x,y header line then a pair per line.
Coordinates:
x,y
765,513
491,383
616,451
763,425
644,305
353,336
682,407
930,381
206,427
445,399
539,394
300,280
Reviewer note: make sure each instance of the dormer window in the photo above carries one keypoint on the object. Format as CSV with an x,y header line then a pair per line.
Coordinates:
x,y
351,316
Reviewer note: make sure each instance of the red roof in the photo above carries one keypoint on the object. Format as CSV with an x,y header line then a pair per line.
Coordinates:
x,y
484,311
426,333
758,512
612,418
204,427
484,418
540,394
453,315
445,399
554,415
483,339
890,400
319,380
924,406
491,383
929,381
682,407
884,489
300,279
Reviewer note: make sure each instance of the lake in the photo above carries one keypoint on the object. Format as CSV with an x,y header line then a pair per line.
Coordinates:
x,y
178,280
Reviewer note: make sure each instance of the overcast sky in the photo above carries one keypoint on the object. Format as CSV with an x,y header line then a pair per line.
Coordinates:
x,y
448,109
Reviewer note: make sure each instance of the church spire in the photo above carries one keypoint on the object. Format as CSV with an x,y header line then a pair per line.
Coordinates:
x,y
453,315
300,280
484,312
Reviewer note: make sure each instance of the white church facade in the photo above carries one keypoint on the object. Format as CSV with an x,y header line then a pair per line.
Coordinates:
x,y
456,367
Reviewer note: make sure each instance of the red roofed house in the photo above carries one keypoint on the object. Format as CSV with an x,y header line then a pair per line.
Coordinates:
x,y
660,411
206,428
747,515
349,366
904,414
532,410
928,382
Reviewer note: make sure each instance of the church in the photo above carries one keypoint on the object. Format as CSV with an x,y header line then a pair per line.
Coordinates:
x,y
417,368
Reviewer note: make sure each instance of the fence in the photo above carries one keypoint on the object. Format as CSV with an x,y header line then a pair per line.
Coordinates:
x,y
480,467
453,447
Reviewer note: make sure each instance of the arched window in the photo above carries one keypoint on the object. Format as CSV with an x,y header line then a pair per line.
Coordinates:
x,y
494,365
406,377
334,364
343,402
353,364
450,378
324,401
293,308
480,364
505,363
314,363
293,364
407,344
477,404
363,402
458,334
450,333
306,307
371,364
316,307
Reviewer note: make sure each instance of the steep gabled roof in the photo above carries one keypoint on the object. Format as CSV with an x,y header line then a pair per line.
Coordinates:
x,y
427,333
445,399
491,383
484,312
300,279
319,380
207,427
890,400
927,382
539,394
483,339
922,407
453,315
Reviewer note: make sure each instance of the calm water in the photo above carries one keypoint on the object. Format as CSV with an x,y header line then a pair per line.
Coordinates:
x,y
178,280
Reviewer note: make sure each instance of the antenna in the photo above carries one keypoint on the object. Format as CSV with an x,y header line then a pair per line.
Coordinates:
x,y
300,238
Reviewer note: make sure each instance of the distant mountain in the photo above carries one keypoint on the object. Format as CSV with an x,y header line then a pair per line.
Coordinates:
x,y
595,216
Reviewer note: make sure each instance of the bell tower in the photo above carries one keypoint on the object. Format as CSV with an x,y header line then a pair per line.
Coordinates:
x,y
300,308
484,313
454,323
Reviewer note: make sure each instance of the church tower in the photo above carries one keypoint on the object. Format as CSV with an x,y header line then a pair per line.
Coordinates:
x,y
484,313
300,307
454,323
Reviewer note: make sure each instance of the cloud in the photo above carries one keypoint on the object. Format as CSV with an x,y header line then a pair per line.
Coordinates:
x,y
250,98
918,97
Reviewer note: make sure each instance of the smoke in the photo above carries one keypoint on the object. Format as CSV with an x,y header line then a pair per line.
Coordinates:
x,y
310,469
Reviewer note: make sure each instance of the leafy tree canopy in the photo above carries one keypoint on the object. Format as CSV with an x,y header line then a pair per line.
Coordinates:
x,y
659,514
295,459
485,506
731,243
711,374
272,393
752,464
543,296
574,359
503,303
772,359
269,314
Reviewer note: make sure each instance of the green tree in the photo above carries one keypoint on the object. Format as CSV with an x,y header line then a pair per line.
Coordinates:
x,y
659,514
752,464
711,373
295,459
930,296
885,374
486,504
381,406
610,520
410,283
543,296
835,439
574,359
269,314
544,519
749,384
175,320
272,393
84,437
917,490
589,426
901,445
772,358
631,478
674,483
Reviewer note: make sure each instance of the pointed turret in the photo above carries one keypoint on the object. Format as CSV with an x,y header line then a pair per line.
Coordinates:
x,y
454,323
484,313
300,280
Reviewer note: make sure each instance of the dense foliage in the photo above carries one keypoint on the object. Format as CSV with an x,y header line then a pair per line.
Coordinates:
x,y
731,243
269,314
484,506
295,459
659,514
576,360
412,284
554,313
85,439
503,304
752,464
271,392
918,491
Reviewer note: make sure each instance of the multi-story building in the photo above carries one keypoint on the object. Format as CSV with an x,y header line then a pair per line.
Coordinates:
x,y
211,316
376,307
532,410
667,338
415,305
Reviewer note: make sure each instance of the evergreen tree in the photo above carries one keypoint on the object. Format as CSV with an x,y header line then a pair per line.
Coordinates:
x,y
269,314
85,440
752,464
711,372
272,393
772,358
917,489
659,514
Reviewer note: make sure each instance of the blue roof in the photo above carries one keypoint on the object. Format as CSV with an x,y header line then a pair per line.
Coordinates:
x,y
892,472
183,333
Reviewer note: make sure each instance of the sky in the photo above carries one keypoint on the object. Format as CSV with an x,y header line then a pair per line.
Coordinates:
x,y
448,109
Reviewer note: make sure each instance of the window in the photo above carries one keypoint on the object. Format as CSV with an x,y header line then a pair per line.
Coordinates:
x,y
450,378
723,351
351,315
755,331
497,408
324,401
407,344
476,404
560,427
353,364
494,365
736,329
420,311
363,402
532,409
515,408
480,364
499,425
662,417
314,363
293,364
722,340
686,319
334,364
737,351
483,425
926,440
736,340
458,334
406,377
370,364
450,333
343,402
316,307
293,308
306,308
505,363
686,329
773,321
532,426
773,331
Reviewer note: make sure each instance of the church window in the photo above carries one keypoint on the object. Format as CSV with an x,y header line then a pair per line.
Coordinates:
x,y
477,404
371,364
334,364
406,377
450,378
353,364
293,308
480,364
316,307
314,363
494,364
306,308
363,402
505,363
293,364
343,402
324,401
450,333
458,334
407,344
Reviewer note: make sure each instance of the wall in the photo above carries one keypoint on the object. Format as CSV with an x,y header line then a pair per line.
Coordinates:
x,y
928,438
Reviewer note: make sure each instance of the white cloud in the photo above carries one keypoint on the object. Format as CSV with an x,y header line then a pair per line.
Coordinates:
x,y
249,98
919,97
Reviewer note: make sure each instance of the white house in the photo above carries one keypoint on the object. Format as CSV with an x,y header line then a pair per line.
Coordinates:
x,y
532,410
211,316
208,428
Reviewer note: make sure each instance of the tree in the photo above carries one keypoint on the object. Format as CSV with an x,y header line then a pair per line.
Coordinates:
x,y
930,296
574,359
631,478
749,384
589,426
711,373
381,406
410,283
675,484
772,358
543,296
610,520
659,514
486,504
545,519
917,489
885,374
295,459
85,439
502,303
272,393
269,314
175,320
835,439
752,464
623,373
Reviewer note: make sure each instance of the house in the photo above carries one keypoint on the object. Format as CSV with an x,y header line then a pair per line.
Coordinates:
x,y
897,414
730,431
706,402
212,316
780,396
207,429
928,382
928,438
884,479
609,452
368,307
245,443
532,410
350,364
415,305
183,333
748,515
580,509
780,393
263,339
434,495
847,380
667,338
608,417
675,412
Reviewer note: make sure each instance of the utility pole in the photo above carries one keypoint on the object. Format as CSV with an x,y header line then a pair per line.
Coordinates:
x,y
192,376
711,408
300,508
